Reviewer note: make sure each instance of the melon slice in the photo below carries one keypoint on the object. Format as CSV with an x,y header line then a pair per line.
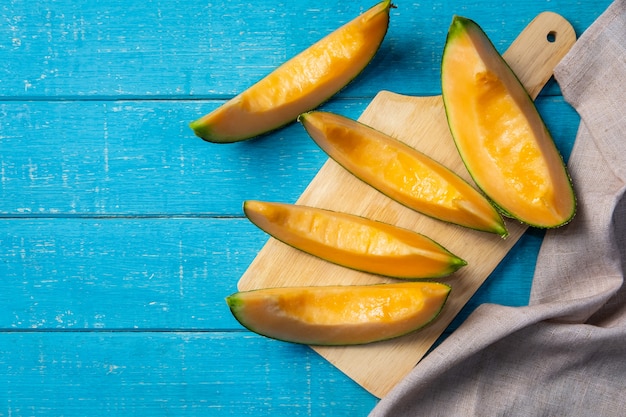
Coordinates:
x,y
301,83
339,315
401,172
499,133
353,241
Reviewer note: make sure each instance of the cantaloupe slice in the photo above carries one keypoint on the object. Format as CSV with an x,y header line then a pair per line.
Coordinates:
x,y
353,241
300,84
339,315
401,172
499,133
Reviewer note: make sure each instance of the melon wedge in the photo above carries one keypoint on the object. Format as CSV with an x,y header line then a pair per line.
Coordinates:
x,y
300,84
401,172
339,315
353,241
499,133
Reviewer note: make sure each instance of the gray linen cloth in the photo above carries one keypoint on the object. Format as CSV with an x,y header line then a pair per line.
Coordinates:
x,y
565,353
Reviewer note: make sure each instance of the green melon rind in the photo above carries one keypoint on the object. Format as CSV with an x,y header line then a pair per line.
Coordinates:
x,y
499,229
205,132
235,305
454,265
459,26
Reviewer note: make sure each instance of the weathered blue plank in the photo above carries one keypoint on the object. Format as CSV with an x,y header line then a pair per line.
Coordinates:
x,y
169,373
154,49
168,273
122,273
141,158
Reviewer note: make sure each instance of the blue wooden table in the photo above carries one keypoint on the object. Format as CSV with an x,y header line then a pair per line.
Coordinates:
x,y
121,232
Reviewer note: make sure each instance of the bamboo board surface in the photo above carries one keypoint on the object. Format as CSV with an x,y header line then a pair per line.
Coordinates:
x,y
421,123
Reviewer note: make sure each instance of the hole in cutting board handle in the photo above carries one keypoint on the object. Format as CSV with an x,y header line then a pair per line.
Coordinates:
x,y
551,37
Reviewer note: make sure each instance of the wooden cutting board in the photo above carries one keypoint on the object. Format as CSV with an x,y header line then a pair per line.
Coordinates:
x,y
421,123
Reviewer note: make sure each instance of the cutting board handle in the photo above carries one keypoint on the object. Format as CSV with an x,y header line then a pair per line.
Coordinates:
x,y
538,49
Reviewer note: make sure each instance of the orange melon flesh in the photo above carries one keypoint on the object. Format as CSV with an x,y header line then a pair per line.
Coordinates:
x,y
354,242
339,315
300,84
401,172
499,133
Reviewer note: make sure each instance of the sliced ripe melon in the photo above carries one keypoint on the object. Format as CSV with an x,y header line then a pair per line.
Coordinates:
x,y
354,242
499,133
300,84
339,315
401,172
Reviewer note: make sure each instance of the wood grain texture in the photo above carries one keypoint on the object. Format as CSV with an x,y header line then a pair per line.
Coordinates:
x,y
109,273
168,373
191,48
140,158
137,158
421,123
109,206
146,274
